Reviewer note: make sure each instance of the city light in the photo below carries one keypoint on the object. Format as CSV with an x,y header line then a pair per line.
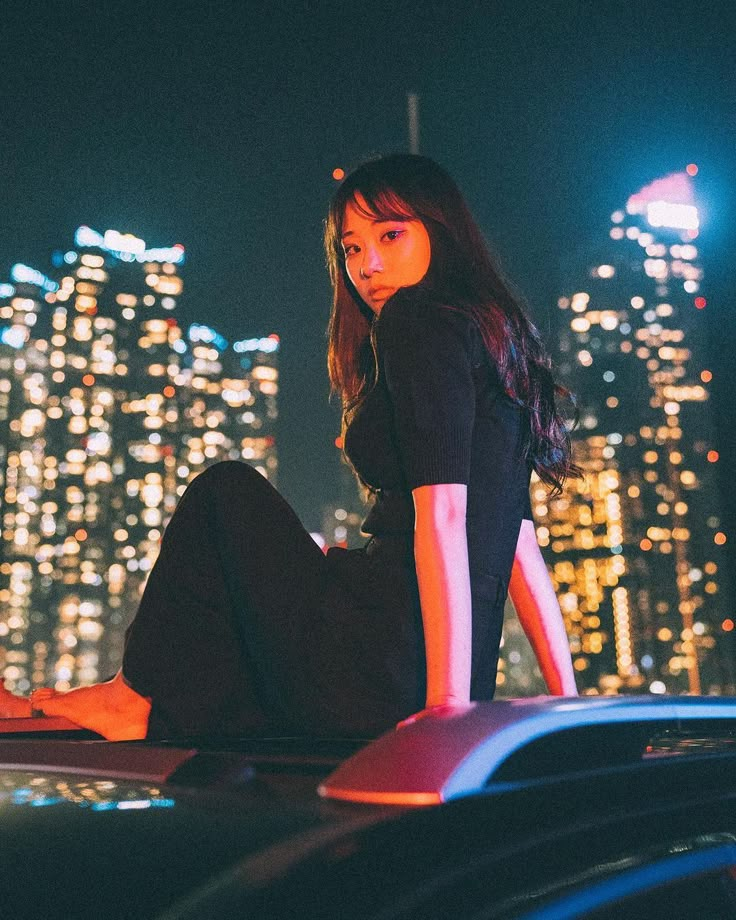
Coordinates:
x,y
110,409
645,444
266,345
25,274
676,216
199,333
15,336
127,247
114,241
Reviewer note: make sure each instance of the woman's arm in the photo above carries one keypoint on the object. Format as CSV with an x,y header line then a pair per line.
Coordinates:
x,y
539,613
441,557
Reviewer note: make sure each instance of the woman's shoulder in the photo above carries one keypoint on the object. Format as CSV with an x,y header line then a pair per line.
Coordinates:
x,y
412,314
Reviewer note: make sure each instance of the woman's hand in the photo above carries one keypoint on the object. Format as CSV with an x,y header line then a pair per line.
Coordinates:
x,y
442,711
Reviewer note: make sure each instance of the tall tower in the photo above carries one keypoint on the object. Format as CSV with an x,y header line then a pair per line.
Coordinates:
x,y
635,550
108,408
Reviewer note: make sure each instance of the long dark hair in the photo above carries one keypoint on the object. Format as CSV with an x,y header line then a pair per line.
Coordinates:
x,y
462,275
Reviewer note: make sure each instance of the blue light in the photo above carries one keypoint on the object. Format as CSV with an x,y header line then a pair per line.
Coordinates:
x,y
172,254
609,892
85,236
13,336
127,247
24,274
265,345
70,257
200,333
6,290
133,804
180,346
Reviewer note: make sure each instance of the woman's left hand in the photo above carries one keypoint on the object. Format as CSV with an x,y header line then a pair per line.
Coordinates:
x,y
442,711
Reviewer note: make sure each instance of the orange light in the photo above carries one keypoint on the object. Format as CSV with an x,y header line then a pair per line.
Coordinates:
x,y
720,538
727,625
692,234
645,544
691,169
338,443
88,380
338,174
700,302
712,456
80,534
169,391
275,337
380,798
706,376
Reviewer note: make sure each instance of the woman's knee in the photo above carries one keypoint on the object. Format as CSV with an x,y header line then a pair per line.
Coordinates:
x,y
231,477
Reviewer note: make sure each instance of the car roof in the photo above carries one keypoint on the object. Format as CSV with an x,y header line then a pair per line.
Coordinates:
x,y
247,810
484,746
436,760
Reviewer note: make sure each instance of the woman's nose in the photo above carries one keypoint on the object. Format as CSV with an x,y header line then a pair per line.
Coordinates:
x,y
371,263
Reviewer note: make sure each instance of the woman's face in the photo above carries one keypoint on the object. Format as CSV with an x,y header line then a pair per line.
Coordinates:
x,y
381,255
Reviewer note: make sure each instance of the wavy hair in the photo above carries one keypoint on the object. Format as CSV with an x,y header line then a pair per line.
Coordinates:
x,y
462,275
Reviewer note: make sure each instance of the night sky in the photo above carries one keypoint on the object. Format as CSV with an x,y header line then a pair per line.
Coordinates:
x,y
218,126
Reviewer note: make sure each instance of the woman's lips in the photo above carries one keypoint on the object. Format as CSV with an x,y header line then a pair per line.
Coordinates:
x,y
379,293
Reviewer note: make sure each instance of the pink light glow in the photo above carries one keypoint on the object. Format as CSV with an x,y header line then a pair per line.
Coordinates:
x,y
677,188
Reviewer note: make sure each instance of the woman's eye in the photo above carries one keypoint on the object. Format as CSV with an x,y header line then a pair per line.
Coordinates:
x,y
349,250
393,234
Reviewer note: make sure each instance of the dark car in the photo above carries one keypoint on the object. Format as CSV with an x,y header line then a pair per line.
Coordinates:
x,y
614,807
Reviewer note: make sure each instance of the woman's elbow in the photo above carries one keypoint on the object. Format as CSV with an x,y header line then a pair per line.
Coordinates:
x,y
441,507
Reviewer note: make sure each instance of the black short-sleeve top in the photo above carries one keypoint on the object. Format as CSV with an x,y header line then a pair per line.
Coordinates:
x,y
438,414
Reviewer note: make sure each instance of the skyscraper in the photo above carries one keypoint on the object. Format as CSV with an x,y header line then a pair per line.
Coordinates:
x,y
108,408
635,550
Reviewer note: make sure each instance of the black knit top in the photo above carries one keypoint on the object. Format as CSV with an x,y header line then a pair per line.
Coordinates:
x,y
438,414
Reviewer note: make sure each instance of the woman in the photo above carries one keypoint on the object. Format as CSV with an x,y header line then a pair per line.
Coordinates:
x,y
448,406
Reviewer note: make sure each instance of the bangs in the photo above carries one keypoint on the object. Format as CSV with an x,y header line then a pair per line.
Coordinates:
x,y
382,203
379,200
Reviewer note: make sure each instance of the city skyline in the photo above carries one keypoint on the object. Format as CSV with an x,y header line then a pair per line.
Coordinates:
x,y
636,548
108,409
83,274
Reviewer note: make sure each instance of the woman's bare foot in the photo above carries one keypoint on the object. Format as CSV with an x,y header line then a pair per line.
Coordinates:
x,y
113,709
12,706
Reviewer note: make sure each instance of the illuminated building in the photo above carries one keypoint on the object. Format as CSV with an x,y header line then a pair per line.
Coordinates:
x,y
342,526
518,669
635,550
108,408
343,517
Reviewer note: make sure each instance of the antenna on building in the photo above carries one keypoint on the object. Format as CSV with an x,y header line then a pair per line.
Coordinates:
x,y
412,106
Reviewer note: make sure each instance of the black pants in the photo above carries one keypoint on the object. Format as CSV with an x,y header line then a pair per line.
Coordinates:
x,y
246,626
